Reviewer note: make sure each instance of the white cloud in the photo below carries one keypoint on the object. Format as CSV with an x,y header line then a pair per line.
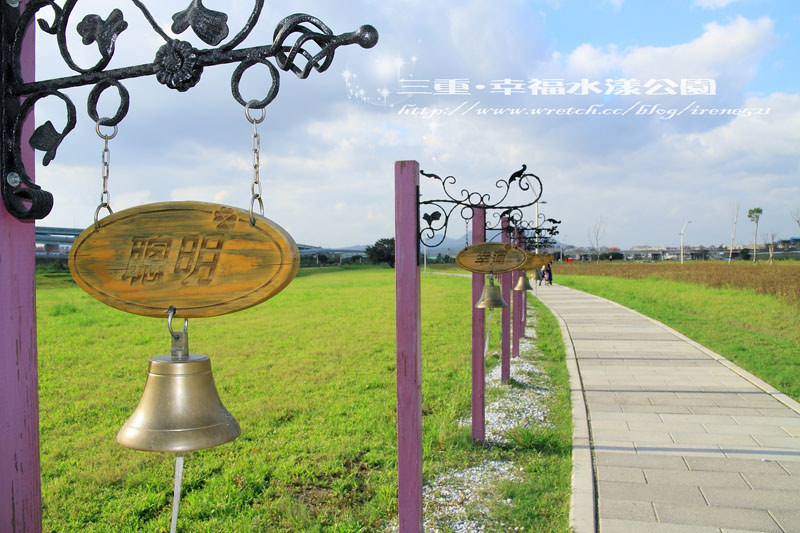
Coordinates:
x,y
712,4
729,53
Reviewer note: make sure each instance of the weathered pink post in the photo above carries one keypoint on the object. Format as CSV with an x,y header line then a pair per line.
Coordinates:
x,y
20,480
516,310
524,295
409,350
478,336
516,328
505,284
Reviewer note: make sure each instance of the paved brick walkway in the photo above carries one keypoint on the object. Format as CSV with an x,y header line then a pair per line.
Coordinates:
x,y
670,436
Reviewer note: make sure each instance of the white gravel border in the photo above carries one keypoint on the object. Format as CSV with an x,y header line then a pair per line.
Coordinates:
x,y
459,500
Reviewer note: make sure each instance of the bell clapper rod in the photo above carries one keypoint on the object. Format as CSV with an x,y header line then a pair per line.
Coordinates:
x,y
488,330
176,496
488,323
180,349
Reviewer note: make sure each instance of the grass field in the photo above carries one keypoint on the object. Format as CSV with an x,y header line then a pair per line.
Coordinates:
x,y
310,376
746,313
781,279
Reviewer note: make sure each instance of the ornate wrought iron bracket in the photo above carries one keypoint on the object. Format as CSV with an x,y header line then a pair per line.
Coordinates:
x,y
177,64
436,220
542,232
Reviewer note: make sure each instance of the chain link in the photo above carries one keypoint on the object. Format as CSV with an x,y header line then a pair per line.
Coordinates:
x,y
255,187
105,160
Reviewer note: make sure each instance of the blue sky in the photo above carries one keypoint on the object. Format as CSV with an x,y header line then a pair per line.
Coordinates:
x,y
328,149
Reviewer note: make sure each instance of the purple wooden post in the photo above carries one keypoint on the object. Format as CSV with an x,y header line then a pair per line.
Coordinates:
x,y
517,307
409,358
505,284
478,336
523,296
20,480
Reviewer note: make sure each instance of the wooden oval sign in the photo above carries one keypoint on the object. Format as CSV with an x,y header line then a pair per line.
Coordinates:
x,y
491,257
535,261
204,259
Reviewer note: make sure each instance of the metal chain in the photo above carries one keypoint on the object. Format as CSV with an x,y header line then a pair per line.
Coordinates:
x,y
466,233
105,160
255,187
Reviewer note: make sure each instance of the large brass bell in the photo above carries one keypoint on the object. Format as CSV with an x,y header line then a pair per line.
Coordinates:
x,y
491,297
180,409
523,284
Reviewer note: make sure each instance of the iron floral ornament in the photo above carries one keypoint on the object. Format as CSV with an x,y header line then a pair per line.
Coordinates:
x,y
435,231
177,64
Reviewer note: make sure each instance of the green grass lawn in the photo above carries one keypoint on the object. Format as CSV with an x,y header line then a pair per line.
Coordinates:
x,y
758,332
310,376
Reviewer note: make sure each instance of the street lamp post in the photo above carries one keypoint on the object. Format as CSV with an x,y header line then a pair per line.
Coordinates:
x,y
682,230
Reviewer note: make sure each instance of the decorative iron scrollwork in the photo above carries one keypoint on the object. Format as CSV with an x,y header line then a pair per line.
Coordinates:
x,y
177,65
437,220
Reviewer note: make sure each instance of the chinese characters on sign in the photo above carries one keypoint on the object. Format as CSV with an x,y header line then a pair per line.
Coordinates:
x,y
491,257
195,262
562,87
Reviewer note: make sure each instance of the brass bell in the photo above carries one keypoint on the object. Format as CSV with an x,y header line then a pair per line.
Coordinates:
x,y
491,297
180,409
523,284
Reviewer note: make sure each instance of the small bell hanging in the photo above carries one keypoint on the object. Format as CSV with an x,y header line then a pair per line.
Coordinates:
x,y
180,409
523,284
491,297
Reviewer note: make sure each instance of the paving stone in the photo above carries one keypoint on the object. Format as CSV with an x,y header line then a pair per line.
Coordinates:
x,y
713,438
683,450
632,526
792,467
676,494
788,520
738,411
633,436
773,441
620,473
773,482
736,429
715,464
668,427
641,511
777,410
752,499
761,454
641,461
700,479
722,517
699,419
792,431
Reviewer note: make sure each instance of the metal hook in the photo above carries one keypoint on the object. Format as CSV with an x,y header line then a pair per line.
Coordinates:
x,y
256,198
170,315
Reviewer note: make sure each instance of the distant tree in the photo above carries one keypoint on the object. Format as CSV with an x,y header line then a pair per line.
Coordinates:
x,y
744,254
595,232
733,231
612,256
754,214
322,259
381,252
769,240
